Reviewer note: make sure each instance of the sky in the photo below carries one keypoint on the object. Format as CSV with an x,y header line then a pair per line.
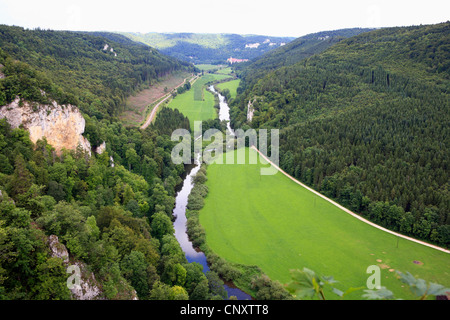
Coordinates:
x,y
261,17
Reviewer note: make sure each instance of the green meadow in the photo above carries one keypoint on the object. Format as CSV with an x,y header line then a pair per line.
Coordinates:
x,y
230,85
208,67
272,222
197,103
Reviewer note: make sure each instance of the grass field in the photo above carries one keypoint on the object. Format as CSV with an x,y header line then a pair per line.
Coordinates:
x,y
226,70
272,222
209,67
230,85
197,103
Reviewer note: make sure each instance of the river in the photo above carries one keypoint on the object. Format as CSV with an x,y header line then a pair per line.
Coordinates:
x,y
224,109
181,200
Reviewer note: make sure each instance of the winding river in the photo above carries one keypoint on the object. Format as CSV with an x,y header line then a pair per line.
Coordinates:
x,y
181,200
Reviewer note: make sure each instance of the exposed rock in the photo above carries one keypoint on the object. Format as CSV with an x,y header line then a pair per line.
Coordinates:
x,y
86,287
61,125
101,148
58,249
250,110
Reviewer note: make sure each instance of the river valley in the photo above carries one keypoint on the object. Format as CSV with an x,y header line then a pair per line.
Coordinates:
x,y
181,200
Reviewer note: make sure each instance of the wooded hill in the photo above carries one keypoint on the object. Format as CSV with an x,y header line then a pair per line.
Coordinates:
x,y
112,211
366,122
96,70
293,52
209,48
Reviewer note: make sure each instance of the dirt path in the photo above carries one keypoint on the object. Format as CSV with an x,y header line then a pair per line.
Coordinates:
x,y
348,211
166,96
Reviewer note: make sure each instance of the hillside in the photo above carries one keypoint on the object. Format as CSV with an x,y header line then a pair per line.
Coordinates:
x,y
366,123
108,212
293,52
97,70
210,48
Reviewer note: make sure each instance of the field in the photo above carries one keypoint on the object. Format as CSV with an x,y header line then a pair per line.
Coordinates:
x,y
272,222
197,103
137,105
230,85
209,67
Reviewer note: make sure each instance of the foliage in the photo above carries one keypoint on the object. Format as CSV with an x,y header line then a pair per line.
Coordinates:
x,y
208,48
293,52
84,73
306,283
364,122
112,211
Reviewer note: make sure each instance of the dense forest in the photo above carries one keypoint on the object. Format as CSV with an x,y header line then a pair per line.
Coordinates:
x,y
113,210
98,71
366,122
292,53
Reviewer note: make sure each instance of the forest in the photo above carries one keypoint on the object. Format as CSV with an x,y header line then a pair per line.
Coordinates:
x,y
365,122
293,52
98,71
208,48
113,210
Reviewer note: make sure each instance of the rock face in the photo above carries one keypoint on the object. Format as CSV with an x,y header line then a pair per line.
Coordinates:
x,y
87,287
250,110
101,148
58,249
61,125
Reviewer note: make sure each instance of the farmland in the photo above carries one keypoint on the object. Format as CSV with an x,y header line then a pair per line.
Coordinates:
x,y
272,222
197,103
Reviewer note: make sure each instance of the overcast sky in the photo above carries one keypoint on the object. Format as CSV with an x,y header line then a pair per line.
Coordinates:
x,y
263,17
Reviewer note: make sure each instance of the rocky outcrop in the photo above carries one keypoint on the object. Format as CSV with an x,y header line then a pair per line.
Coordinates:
x,y
85,287
101,148
61,125
57,249
81,282
250,110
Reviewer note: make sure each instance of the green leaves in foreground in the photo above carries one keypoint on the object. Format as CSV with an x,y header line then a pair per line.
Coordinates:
x,y
419,287
306,283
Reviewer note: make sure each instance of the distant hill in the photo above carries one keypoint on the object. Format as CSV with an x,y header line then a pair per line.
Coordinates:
x,y
365,122
296,51
97,71
210,48
70,180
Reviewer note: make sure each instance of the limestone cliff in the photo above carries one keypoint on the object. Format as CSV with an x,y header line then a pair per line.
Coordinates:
x,y
61,125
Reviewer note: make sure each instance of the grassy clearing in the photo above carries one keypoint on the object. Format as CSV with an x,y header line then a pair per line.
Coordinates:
x,y
225,71
208,67
230,85
197,103
272,222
